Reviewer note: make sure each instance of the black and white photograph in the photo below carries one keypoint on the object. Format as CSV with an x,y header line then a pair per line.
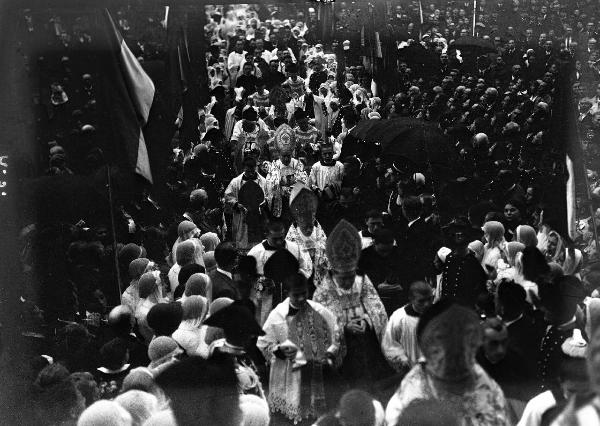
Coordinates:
x,y
300,213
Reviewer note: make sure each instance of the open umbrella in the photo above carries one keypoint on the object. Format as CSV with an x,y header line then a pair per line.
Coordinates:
x,y
474,43
417,142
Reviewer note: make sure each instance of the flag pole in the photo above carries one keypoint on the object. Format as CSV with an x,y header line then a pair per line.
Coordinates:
x,y
474,15
113,231
422,21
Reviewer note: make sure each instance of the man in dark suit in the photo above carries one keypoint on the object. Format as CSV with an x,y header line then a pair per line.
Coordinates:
x,y
524,332
559,304
222,278
417,242
350,144
382,264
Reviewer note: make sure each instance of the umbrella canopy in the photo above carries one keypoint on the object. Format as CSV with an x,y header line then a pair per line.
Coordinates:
x,y
474,43
419,142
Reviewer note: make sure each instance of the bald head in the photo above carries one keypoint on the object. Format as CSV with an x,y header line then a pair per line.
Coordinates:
x,y
480,139
120,319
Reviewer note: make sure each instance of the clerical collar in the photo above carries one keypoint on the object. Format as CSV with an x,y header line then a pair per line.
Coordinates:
x,y
412,221
105,370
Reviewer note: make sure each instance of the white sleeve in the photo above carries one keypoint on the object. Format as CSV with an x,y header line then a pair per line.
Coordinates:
x,y
305,262
237,131
535,408
391,348
267,343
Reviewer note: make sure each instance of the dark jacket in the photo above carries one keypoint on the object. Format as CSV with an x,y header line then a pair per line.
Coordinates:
x,y
223,286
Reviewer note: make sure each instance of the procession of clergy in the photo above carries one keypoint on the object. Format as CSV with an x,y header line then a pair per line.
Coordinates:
x,y
325,275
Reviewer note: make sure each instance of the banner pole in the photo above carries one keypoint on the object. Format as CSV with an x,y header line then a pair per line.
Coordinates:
x,y
474,15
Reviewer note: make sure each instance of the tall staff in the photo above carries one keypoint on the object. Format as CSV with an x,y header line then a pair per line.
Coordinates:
x,y
421,15
474,15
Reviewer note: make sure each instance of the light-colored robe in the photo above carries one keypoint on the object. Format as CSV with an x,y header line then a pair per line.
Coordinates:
x,y
240,229
314,245
399,344
284,381
321,176
263,301
279,182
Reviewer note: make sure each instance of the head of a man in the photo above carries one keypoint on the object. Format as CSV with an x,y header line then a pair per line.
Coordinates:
x,y
420,296
495,340
297,287
276,234
327,154
383,241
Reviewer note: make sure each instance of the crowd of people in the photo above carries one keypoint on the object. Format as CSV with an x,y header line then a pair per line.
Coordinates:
x,y
298,274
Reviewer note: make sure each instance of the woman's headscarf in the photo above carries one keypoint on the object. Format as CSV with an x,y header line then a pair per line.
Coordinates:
x,y
137,267
478,249
198,285
194,310
185,253
218,304
105,412
210,264
210,241
527,235
494,233
570,263
449,336
141,405
184,227
512,249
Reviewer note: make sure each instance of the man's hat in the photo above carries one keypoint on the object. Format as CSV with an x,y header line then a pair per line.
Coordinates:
x,y
250,114
303,203
235,318
281,265
344,247
299,114
218,90
285,139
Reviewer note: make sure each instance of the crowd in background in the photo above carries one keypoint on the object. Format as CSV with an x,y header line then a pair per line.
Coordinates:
x,y
291,272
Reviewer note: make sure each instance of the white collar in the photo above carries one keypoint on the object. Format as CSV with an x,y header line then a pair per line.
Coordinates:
x,y
119,370
507,323
228,274
413,221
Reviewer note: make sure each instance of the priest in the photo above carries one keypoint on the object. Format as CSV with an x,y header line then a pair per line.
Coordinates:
x,y
307,232
300,342
359,312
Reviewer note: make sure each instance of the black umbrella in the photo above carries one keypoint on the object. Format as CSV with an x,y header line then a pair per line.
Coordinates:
x,y
418,142
474,43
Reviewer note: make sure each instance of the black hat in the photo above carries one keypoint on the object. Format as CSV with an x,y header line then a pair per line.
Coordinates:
x,y
218,91
281,265
250,114
235,318
296,281
299,114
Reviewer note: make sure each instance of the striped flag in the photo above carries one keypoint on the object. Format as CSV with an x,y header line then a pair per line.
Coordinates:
x,y
131,98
